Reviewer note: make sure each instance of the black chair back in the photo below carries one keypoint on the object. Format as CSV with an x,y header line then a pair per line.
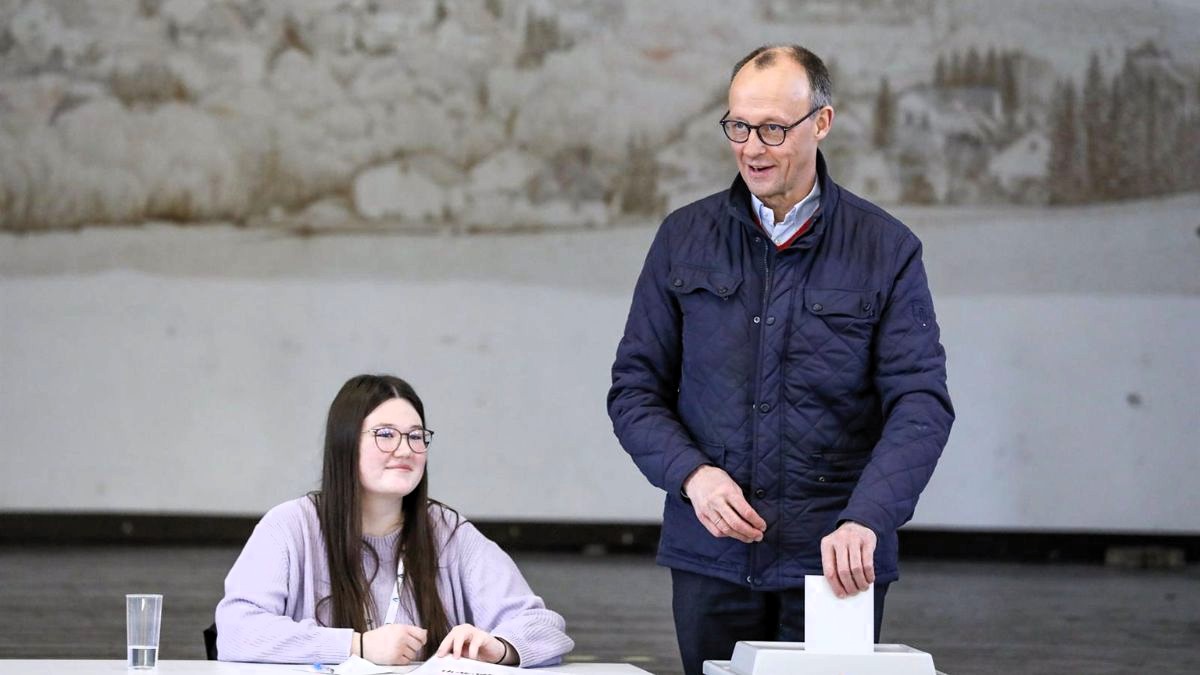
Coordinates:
x,y
210,642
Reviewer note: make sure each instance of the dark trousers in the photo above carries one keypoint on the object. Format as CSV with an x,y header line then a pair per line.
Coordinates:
x,y
712,615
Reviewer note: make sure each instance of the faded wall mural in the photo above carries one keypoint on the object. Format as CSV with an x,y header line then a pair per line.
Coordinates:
x,y
213,212
320,115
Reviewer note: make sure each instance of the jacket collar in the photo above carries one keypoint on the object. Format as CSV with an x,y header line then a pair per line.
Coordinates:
x,y
741,210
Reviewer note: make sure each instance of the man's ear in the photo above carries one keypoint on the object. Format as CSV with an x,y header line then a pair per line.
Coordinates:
x,y
824,122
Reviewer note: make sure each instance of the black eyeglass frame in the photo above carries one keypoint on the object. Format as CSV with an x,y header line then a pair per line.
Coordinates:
x,y
426,437
757,128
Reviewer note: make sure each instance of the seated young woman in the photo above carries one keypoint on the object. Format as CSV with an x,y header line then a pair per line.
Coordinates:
x,y
371,566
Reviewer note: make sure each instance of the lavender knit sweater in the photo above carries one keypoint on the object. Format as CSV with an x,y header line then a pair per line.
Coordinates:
x,y
271,594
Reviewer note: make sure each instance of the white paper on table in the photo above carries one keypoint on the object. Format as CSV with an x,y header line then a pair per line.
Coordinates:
x,y
357,665
448,665
834,625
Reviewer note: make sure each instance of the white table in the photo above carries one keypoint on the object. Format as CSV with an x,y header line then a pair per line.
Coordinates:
x,y
64,667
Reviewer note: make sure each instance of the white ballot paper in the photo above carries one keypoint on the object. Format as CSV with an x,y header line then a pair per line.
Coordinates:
x,y
440,665
834,625
448,665
356,665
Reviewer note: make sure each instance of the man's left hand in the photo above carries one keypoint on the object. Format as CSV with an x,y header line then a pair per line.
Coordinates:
x,y
848,559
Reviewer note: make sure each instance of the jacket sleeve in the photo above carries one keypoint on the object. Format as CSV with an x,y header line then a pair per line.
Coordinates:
x,y
645,378
252,619
910,376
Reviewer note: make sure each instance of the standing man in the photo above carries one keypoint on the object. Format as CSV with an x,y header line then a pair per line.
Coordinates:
x,y
780,375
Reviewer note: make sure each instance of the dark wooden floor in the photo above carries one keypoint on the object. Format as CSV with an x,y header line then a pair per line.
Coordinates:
x,y
67,602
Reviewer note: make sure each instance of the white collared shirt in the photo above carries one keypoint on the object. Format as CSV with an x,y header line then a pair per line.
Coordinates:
x,y
793,221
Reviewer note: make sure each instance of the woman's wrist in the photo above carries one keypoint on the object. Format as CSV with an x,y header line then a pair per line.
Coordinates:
x,y
503,657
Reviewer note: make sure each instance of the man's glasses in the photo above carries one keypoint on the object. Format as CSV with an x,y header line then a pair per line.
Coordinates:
x,y
770,134
388,439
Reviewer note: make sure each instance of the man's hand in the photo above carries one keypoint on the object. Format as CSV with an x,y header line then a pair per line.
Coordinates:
x,y
720,506
848,559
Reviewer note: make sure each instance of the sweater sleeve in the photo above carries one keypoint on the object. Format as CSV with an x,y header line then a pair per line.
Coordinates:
x,y
253,623
499,600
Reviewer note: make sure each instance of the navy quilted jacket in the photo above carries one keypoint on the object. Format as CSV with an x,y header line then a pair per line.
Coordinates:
x,y
813,375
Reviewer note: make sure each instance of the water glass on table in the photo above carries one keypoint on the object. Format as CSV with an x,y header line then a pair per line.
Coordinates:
x,y
143,618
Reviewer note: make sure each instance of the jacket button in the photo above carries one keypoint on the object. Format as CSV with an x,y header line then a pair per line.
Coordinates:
x,y
770,321
756,319
816,305
749,580
821,479
677,283
722,290
760,493
866,306
764,407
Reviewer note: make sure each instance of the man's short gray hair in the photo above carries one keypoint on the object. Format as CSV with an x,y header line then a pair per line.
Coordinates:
x,y
818,75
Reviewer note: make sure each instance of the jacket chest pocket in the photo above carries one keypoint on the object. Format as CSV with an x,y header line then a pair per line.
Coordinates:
x,y
849,315
705,297
715,335
713,319
834,331
700,288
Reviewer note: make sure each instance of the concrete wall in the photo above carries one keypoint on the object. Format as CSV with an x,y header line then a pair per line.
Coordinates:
x,y
144,380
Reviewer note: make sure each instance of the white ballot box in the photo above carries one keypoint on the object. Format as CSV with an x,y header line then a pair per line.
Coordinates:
x,y
838,639
790,658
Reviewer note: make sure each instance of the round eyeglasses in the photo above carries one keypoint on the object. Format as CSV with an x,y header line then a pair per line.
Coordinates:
x,y
388,439
770,134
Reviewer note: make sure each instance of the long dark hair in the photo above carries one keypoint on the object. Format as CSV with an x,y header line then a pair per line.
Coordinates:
x,y
339,508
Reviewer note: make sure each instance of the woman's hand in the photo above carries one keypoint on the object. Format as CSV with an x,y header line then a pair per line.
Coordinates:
x,y
392,645
473,643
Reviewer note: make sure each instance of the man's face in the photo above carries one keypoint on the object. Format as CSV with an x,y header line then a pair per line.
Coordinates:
x,y
779,175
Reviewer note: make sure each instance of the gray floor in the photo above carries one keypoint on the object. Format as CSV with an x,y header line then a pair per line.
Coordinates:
x,y
973,617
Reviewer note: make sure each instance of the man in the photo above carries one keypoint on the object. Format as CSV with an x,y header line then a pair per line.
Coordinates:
x,y
780,375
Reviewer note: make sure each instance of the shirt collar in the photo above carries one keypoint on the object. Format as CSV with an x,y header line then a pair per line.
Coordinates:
x,y
806,207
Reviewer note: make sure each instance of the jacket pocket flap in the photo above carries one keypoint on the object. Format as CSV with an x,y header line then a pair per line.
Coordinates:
x,y
838,302
846,460
685,279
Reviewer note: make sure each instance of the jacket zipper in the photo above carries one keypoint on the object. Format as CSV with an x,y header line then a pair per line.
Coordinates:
x,y
762,343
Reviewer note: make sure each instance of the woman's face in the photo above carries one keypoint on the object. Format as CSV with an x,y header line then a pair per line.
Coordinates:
x,y
397,473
